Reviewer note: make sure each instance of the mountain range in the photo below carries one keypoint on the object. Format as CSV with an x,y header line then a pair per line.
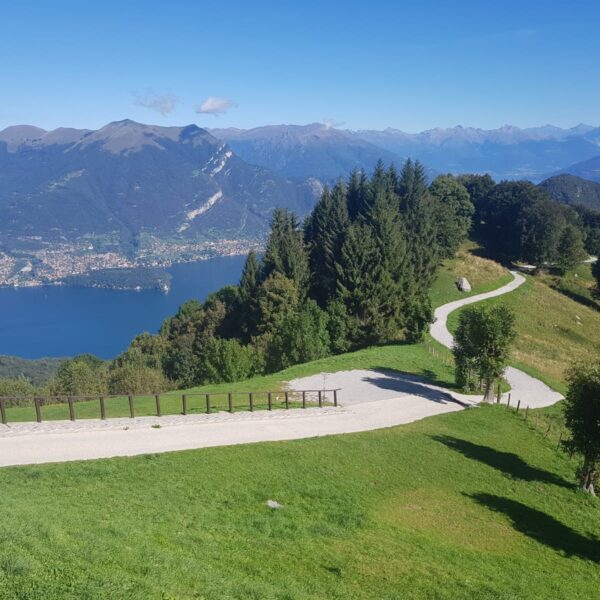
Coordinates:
x,y
326,152
72,200
128,180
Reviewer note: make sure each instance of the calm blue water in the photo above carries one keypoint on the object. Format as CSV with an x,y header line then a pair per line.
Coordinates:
x,y
64,321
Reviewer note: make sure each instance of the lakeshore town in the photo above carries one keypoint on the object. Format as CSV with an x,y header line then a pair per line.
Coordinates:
x,y
51,264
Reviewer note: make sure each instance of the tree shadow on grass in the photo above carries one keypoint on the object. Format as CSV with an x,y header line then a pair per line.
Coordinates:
x,y
541,527
509,463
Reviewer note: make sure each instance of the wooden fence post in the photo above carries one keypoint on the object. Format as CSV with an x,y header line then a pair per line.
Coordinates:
x,y
71,409
157,398
508,402
269,401
230,400
518,405
251,401
208,404
102,408
303,399
320,398
38,410
3,411
131,407
184,404
335,397
287,400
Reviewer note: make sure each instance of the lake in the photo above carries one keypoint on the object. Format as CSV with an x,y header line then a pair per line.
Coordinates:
x,y
64,321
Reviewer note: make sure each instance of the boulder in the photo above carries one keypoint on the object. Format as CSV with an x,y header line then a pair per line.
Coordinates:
x,y
463,285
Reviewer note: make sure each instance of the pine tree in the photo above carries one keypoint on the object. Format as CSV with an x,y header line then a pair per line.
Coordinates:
x,y
423,251
286,252
248,293
358,194
325,236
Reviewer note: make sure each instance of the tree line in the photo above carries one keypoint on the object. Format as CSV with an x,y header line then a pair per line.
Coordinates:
x,y
518,221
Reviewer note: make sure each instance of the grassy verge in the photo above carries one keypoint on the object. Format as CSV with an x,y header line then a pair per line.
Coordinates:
x,y
476,504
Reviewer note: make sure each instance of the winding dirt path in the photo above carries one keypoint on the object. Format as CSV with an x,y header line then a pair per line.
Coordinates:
x,y
524,388
370,399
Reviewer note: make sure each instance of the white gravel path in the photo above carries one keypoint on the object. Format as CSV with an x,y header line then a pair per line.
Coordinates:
x,y
369,399
524,388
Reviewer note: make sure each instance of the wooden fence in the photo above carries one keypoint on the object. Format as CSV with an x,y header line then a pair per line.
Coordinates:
x,y
289,397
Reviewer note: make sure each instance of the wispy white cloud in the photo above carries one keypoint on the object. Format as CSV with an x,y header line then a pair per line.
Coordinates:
x,y
160,103
332,123
216,106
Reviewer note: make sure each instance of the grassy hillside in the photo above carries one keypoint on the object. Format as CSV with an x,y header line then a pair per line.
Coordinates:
x,y
483,274
474,504
552,330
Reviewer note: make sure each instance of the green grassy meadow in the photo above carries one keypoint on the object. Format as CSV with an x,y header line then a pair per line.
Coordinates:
x,y
476,504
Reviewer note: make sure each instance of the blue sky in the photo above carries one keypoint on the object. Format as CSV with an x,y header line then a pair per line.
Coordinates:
x,y
357,64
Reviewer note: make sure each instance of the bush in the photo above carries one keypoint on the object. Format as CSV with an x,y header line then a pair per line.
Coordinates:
x,y
137,379
83,375
17,387
300,337
227,361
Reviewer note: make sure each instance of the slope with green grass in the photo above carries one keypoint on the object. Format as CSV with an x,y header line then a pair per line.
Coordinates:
x,y
475,504
553,330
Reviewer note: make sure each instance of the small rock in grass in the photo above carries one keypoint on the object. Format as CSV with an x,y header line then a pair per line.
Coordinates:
x,y
463,285
274,504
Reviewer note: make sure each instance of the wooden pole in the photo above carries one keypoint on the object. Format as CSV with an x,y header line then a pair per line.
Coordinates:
x,y
287,400
184,404
131,407
320,398
303,399
208,404
335,397
251,402
508,402
102,408
71,408
38,410
230,400
269,401
157,399
3,411
518,405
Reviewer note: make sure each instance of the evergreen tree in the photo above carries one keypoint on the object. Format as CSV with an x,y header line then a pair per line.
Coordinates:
x,y
286,252
325,236
424,254
358,194
363,285
248,293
